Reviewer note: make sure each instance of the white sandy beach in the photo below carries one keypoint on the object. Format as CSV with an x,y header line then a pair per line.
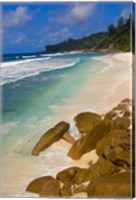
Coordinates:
x,y
100,95
113,84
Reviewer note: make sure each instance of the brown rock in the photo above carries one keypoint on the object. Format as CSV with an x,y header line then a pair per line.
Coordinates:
x,y
51,136
127,100
105,167
121,123
89,141
118,156
127,114
45,186
122,106
81,176
68,138
102,144
86,121
116,185
78,149
102,167
66,191
93,172
79,189
117,137
122,139
110,115
67,175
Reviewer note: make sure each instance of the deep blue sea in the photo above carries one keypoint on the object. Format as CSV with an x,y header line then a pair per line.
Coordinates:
x,y
34,89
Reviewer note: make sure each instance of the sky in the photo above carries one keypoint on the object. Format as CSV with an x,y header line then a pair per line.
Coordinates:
x,y
29,27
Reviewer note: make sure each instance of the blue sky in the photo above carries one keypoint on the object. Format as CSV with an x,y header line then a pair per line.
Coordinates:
x,y
28,27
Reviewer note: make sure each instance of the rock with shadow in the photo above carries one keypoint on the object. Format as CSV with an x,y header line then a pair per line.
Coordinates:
x,y
46,186
89,141
86,121
115,185
51,136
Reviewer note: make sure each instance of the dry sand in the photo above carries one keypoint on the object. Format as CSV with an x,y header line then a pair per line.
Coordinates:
x,y
112,85
123,63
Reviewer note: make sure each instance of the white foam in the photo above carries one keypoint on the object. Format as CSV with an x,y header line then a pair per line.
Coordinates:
x,y
29,56
7,127
65,100
13,71
106,68
102,59
53,107
73,130
62,54
12,63
52,54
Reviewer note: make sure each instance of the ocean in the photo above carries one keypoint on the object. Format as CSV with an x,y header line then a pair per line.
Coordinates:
x,y
35,90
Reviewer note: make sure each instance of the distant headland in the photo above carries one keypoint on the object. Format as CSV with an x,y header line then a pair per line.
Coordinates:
x,y
115,39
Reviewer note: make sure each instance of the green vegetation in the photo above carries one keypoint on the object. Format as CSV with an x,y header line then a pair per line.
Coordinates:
x,y
115,39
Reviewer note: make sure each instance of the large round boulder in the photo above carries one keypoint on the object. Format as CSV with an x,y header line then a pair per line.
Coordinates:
x,y
46,186
86,121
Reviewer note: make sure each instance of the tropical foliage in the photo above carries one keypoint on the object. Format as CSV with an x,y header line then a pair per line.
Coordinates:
x,y
117,38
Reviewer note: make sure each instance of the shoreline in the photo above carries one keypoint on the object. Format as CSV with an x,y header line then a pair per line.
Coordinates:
x,y
106,91
85,51
99,96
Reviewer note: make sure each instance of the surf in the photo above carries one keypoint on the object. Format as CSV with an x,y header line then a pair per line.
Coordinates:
x,y
17,70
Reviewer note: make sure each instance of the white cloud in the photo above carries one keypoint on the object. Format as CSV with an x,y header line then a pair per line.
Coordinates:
x,y
17,17
78,13
126,12
82,11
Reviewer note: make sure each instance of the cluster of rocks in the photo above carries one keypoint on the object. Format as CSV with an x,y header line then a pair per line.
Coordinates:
x,y
110,176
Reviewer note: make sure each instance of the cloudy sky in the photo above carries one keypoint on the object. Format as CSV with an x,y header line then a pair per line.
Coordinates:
x,y
28,27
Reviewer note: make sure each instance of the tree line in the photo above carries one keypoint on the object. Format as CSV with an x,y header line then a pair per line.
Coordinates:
x,y
116,38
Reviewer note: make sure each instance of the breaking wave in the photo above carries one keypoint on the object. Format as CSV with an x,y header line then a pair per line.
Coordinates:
x,y
14,71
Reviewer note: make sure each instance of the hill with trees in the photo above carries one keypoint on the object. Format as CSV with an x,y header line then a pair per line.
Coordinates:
x,y
116,38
